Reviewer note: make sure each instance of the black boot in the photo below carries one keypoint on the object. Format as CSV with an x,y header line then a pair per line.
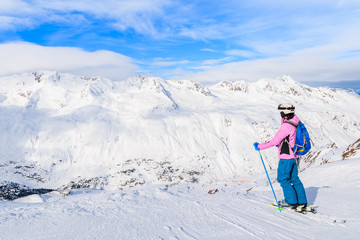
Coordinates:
x,y
283,204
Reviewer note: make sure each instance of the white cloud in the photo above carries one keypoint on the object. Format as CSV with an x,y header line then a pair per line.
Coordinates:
x,y
216,61
13,23
304,67
306,39
139,15
241,23
208,50
13,6
20,57
240,53
336,60
169,63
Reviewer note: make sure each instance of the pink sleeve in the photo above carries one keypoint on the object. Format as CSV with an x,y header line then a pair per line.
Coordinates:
x,y
279,136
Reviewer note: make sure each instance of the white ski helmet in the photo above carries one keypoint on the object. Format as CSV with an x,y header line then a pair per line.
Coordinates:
x,y
286,108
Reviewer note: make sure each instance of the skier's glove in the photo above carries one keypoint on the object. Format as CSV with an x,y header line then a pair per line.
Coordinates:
x,y
256,144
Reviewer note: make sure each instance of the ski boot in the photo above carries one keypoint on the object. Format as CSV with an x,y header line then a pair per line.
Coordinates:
x,y
301,208
283,204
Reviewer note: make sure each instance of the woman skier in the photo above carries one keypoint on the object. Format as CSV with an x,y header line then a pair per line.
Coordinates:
x,y
287,172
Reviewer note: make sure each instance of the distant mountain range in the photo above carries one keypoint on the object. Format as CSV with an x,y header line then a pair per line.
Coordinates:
x,y
354,85
64,130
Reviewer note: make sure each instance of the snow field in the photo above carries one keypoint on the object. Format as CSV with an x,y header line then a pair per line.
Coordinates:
x,y
187,211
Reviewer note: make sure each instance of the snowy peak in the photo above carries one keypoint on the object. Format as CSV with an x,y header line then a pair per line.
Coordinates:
x,y
46,89
145,95
146,83
283,86
287,86
169,95
239,86
192,86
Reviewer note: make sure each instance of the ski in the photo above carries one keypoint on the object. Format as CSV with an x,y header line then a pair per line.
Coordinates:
x,y
299,209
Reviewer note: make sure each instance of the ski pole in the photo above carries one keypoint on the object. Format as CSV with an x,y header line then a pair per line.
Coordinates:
x,y
269,181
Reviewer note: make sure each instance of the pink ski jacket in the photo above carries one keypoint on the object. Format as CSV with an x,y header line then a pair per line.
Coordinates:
x,y
286,130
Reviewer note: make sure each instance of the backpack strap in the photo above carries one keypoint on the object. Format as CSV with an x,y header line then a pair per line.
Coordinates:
x,y
287,138
289,122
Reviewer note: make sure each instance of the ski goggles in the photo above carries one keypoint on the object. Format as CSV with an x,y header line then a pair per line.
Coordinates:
x,y
281,107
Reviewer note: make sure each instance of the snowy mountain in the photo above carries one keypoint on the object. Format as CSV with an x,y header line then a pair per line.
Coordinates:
x,y
64,130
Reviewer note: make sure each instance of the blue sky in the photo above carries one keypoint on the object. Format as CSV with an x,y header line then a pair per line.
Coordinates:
x,y
206,41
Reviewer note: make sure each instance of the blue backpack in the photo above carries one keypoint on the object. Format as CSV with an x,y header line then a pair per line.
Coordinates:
x,y
302,141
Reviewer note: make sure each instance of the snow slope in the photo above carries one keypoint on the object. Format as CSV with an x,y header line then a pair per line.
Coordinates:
x,y
64,130
173,141
239,210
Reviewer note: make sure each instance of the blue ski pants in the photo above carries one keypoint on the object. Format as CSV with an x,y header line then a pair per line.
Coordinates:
x,y
287,176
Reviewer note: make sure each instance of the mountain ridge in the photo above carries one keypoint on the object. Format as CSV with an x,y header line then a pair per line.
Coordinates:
x,y
60,128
